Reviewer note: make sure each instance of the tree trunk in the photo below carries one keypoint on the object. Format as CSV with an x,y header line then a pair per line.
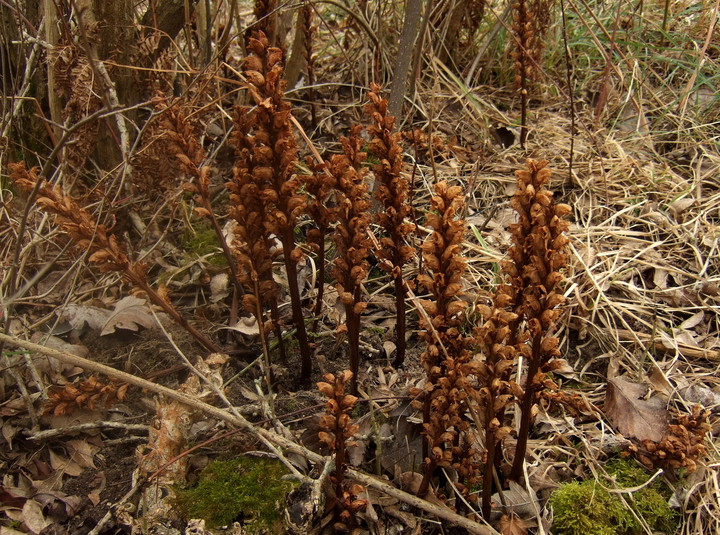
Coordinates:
x,y
411,26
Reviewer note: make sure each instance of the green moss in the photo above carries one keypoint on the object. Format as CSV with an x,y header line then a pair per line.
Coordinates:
x,y
650,502
203,241
250,487
587,509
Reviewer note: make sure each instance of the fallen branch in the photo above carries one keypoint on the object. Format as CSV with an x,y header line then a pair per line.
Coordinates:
x,y
239,421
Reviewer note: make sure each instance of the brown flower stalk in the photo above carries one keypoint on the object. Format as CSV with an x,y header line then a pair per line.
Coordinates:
x,y
105,251
337,434
170,147
392,192
318,186
447,359
530,22
265,181
495,339
351,239
307,14
536,259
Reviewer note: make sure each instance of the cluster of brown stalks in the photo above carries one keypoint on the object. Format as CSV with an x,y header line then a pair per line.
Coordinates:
x,y
337,434
518,321
264,190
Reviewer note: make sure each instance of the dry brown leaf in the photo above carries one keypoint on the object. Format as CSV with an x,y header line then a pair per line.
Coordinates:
x,y
631,414
513,525
130,314
33,517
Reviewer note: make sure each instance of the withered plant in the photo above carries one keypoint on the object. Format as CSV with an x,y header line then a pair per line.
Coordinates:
x,y
530,22
337,434
306,12
88,393
170,147
318,186
496,339
447,359
536,259
265,183
683,445
391,190
103,248
353,244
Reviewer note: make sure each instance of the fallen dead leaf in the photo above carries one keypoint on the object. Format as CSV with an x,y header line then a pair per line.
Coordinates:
x,y
33,517
513,525
130,314
631,414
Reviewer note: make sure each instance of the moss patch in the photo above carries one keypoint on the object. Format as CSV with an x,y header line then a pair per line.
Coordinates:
x,y
203,241
650,502
587,509
249,488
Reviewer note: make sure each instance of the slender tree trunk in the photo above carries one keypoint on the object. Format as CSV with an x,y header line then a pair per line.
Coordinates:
x,y
411,27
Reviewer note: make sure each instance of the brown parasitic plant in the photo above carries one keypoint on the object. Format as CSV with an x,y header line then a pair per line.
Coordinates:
x,y
337,434
447,359
351,239
104,249
391,190
265,172
536,259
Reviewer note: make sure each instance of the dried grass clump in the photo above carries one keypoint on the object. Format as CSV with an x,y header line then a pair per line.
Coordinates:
x,y
265,187
392,192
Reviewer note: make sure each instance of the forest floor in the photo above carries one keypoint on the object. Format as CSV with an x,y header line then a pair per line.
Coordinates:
x,y
640,326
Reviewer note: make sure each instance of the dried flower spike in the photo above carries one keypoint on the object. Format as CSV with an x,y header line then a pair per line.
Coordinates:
x,y
534,269
447,359
392,193
337,434
104,249
351,238
265,187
